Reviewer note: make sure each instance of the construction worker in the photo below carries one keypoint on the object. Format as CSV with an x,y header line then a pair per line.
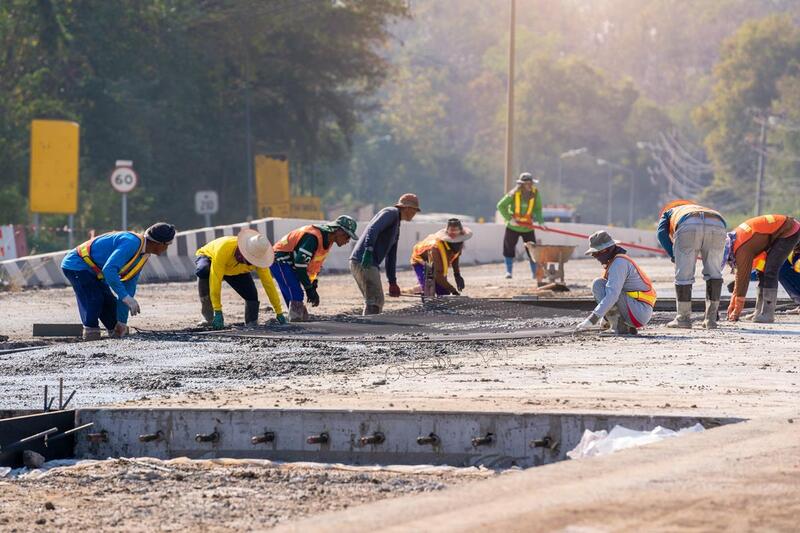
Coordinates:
x,y
775,235
788,275
379,242
110,265
625,295
519,208
232,259
299,257
436,254
686,231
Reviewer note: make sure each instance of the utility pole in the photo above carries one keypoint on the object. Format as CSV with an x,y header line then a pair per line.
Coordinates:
x,y
762,162
510,112
610,177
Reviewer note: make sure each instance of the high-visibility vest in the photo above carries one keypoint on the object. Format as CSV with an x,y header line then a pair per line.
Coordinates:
x,y
682,210
760,262
128,271
527,217
648,296
418,253
289,242
766,224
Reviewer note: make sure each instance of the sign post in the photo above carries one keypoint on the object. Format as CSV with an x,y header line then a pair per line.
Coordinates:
x,y
206,203
124,179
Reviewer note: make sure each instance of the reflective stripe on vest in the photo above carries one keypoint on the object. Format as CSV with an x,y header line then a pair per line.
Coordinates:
x,y
128,271
429,243
289,242
760,262
682,210
648,296
527,218
766,224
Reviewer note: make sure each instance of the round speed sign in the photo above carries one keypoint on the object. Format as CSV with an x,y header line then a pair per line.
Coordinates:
x,y
124,179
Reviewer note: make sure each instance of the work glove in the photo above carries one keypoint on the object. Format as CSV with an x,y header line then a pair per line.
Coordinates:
x,y
120,330
394,290
311,295
366,259
590,321
281,318
218,322
460,282
132,304
735,308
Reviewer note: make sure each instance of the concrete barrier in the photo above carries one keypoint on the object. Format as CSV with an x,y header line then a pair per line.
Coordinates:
x,y
178,264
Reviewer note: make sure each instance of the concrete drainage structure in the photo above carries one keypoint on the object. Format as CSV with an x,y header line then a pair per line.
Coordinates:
x,y
495,440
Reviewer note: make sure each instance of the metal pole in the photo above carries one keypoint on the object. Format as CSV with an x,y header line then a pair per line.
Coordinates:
x,y
610,176
630,200
208,220
36,225
558,196
510,112
71,224
124,211
762,145
248,144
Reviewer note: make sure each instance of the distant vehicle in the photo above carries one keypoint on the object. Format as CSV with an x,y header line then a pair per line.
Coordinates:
x,y
560,213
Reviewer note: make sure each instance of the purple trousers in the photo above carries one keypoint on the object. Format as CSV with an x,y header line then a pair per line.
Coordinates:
x,y
420,271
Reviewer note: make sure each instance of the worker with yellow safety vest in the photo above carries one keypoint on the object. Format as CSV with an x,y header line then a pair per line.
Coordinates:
x,y
234,259
687,230
436,254
625,295
299,257
104,271
775,235
519,208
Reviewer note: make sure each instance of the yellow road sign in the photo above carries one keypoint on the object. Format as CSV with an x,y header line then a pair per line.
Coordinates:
x,y
272,185
54,166
309,207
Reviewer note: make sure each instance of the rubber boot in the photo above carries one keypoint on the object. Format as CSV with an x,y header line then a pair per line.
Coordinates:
x,y
509,266
251,313
91,334
206,310
713,293
297,311
767,313
372,310
683,302
612,317
759,306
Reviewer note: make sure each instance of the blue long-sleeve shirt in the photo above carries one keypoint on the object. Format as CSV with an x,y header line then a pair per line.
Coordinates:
x,y
110,252
381,236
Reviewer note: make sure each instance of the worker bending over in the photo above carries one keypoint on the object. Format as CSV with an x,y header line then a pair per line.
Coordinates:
x,y
110,265
379,242
519,208
775,235
299,257
686,231
625,295
233,259
436,254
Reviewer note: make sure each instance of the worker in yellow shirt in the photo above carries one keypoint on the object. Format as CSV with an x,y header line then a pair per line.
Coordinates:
x,y
233,259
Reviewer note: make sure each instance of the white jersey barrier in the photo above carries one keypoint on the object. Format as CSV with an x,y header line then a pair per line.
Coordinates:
x,y
178,264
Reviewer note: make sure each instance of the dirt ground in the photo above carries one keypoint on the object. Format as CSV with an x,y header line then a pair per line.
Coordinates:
x,y
740,477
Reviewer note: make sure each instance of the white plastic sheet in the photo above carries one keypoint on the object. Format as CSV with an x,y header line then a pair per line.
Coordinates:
x,y
597,443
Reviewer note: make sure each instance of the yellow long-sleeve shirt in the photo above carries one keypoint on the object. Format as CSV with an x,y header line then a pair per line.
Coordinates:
x,y
223,263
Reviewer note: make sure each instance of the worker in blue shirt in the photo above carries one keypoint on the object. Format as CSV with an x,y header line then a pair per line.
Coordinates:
x,y
104,271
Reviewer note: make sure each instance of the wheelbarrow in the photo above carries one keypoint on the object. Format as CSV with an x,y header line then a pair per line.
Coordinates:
x,y
550,260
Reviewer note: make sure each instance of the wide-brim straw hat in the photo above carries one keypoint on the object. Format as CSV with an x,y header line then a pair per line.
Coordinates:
x,y
256,248
527,177
599,241
442,235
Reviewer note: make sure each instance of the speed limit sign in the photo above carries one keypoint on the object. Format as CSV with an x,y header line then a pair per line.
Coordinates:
x,y
124,179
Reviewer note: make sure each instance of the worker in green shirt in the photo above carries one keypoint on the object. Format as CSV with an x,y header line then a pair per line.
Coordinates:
x,y
520,207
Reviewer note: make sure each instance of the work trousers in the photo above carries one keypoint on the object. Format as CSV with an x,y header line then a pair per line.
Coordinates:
x,y
632,312
419,270
369,283
511,238
702,236
243,284
96,302
790,280
284,276
776,256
